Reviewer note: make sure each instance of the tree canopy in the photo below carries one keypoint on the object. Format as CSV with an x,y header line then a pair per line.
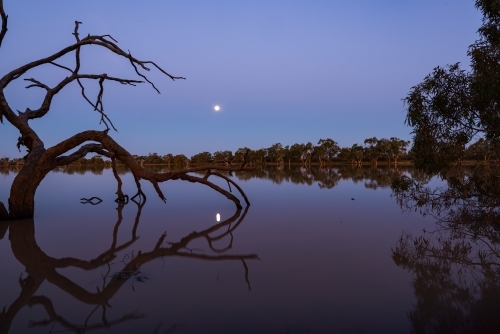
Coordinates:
x,y
452,106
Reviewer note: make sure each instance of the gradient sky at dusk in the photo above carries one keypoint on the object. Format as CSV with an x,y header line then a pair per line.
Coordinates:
x,y
281,71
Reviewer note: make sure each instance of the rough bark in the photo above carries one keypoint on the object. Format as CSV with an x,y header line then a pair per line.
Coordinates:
x,y
4,214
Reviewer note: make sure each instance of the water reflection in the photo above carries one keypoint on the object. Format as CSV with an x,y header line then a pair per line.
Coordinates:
x,y
326,257
456,266
40,267
324,177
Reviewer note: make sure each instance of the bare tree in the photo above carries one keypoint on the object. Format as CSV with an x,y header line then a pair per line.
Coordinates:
x,y
40,160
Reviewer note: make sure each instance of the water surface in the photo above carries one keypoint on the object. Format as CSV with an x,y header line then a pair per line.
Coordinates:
x,y
312,254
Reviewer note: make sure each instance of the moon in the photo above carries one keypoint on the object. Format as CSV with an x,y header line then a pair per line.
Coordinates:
x,y
216,108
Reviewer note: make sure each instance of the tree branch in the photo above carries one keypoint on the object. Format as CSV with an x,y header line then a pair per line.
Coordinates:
x,y
82,152
4,17
45,107
110,148
20,121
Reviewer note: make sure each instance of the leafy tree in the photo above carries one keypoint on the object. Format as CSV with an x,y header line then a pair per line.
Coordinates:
x,y
373,150
353,155
346,154
357,154
167,158
180,160
223,156
153,159
260,155
275,153
201,158
307,153
296,152
397,148
451,106
286,154
326,150
239,155
483,148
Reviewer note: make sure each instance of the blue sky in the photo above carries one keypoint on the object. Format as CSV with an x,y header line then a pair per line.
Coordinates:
x,y
281,71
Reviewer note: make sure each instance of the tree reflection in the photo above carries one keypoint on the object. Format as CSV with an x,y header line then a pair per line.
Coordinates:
x,y
40,267
456,268
328,177
325,177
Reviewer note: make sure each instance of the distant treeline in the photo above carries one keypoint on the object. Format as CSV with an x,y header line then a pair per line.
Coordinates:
x,y
325,152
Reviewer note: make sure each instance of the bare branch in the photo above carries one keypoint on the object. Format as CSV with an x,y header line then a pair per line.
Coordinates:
x,y
61,66
154,182
119,191
45,107
89,40
113,149
75,32
229,181
163,71
36,83
204,181
142,75
104,41
139,189
82,152
4,17
246,274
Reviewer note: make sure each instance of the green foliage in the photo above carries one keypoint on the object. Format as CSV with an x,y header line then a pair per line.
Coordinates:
x,y
326,150
276,153
451,106
223,156
180,160
201,158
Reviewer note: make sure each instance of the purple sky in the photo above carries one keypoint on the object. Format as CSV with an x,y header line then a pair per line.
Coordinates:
x,y
281,71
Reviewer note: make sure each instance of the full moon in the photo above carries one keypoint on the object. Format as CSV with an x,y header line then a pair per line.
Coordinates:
x,y
216,108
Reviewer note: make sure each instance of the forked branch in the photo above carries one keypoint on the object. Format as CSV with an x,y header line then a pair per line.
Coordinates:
x,y
105,41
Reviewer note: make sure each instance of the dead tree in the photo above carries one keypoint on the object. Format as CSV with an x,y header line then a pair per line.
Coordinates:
x,y
41,160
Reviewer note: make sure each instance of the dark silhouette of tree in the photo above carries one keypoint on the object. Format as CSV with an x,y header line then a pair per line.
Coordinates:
x,y
41,267
41,160
453,106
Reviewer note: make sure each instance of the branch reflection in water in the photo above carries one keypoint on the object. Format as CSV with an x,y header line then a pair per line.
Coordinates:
x,y
40,267
326,177
456,267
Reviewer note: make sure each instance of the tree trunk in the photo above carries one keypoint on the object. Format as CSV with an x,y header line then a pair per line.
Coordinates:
x,y
22,192
4,214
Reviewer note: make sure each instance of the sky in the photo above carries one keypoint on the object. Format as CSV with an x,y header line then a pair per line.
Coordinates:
x,y
281,71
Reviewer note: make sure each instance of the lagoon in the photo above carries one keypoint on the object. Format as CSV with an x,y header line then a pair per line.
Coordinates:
x,y
313,253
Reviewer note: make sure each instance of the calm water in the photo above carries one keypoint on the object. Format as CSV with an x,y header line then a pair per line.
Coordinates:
x,y
312,254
